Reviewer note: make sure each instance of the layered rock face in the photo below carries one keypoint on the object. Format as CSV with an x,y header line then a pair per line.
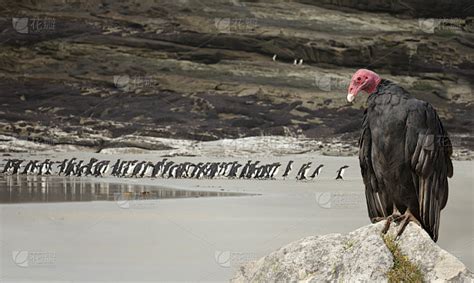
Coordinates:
x,y
203,70
415,8
360,256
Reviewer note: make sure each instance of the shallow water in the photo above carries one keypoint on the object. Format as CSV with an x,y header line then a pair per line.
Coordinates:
x,y
22,189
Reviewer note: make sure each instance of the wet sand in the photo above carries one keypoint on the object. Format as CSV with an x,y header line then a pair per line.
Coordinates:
x,y
201,239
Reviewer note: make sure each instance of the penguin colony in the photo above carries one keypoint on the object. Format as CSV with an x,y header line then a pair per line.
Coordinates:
x,y
161,169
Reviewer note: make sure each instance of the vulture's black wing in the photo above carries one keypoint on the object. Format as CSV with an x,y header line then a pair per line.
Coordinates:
x,y
428,147
379,203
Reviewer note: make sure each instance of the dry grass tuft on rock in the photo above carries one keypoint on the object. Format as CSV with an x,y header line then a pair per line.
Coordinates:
x,y
402,270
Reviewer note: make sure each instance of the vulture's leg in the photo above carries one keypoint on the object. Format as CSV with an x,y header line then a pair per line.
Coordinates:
x,y
396,216
407,217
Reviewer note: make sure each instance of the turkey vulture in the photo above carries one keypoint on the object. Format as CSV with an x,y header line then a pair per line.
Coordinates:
x,y
404,155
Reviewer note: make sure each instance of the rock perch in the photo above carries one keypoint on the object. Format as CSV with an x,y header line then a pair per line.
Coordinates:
x,y
361,255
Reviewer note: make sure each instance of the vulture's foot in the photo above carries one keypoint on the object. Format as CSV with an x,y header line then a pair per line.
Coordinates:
x,y
394,217
406,218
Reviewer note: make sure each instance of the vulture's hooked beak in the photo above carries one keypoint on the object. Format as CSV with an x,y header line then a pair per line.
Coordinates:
x,y
350,97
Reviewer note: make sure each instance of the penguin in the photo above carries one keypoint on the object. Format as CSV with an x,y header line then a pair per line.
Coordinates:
x,y
98,169
252,170
300,62
69,167
274,57
340,172
196,169
317,171
86,170
77,169
128,168
295,62
137,169
62,166
288,169
115,168
27,168
16,166
274,171
104,168
8,166
166,167
245,169
45,168
234,170
259,172
172,170
147,170
157,169
302,172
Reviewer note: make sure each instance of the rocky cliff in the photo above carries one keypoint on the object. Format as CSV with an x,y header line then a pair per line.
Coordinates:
x,y
363,255
93,70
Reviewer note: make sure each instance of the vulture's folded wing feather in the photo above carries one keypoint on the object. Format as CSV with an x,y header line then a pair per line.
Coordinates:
x,y
378,202
429,149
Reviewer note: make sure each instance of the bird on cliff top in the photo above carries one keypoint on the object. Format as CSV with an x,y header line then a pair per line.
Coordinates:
x,y
404,155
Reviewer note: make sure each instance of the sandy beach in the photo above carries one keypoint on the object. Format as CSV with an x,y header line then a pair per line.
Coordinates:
x,y
201,239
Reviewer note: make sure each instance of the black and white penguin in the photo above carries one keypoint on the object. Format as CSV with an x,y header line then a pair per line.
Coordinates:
x,y
86,170
62,166
252,170
137,168
158,168
317,171
147,170
302,172
31,167
274,170
340,172
16,166
45,167
70,167
245,169
166,167
115,168
234,170
8,166
128,168
288,169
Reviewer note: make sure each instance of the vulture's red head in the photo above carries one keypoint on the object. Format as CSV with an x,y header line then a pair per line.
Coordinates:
x,y
362,80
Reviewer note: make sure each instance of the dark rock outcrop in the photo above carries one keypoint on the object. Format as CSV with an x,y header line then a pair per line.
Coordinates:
x,y
203,70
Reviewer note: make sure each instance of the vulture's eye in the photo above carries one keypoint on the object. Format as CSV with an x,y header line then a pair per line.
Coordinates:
x,y
358,78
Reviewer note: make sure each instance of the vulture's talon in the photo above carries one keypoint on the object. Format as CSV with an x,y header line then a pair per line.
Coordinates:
x,y
395,217
407,217
378,219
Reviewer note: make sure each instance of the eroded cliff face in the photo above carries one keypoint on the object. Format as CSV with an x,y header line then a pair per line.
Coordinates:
x,y
203,69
